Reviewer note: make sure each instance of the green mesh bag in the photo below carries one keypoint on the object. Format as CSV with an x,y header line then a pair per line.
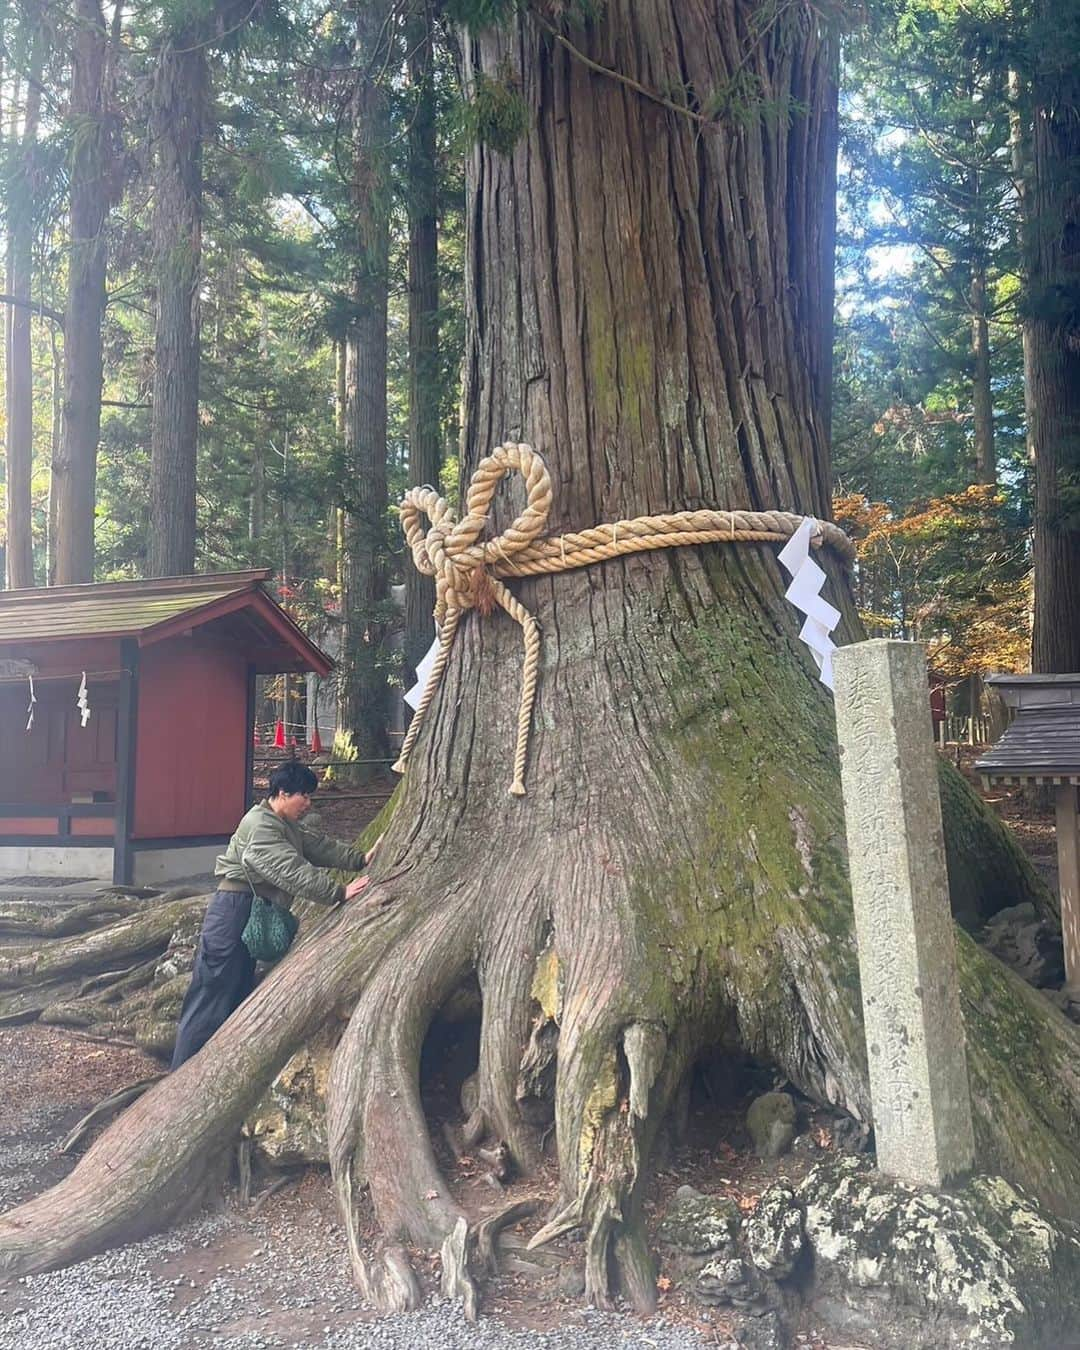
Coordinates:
x,y
270,930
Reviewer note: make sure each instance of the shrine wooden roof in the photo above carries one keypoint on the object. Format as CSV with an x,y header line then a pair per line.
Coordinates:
x,y
153,610
1042,743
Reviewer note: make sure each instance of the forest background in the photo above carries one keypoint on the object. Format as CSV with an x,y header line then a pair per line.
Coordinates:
x,y
233,239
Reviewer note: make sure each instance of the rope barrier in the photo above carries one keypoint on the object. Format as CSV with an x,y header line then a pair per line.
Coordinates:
x,y
467,572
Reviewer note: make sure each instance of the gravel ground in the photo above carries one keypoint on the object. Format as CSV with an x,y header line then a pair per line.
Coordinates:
x,y
236,1285
275,1274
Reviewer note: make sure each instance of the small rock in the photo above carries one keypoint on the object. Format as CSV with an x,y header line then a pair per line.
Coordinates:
x,y
774,1232
699,1224
771,1122
727,1280
687,1193
850,1135
766,1332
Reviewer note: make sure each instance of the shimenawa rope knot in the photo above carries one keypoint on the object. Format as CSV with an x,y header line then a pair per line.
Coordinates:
x,y
467,572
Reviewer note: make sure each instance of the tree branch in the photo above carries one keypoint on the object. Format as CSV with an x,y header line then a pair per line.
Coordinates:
x,y
34,307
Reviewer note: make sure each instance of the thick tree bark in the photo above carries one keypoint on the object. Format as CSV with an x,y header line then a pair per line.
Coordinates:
x,y
179,107
74,467
424,382
648,308
20,371
1054,306
363,676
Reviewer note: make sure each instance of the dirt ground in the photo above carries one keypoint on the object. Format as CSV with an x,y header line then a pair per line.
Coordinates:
x,y
49,1077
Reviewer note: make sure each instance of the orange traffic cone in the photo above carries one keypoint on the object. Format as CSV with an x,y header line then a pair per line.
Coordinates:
x,y
279,735
316,740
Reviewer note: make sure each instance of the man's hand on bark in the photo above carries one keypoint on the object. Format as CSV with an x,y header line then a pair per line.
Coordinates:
x,y
353,889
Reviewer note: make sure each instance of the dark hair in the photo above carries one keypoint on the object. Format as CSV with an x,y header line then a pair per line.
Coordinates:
x,y
290,777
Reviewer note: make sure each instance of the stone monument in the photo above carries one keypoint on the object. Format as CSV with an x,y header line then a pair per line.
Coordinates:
x,y
904,927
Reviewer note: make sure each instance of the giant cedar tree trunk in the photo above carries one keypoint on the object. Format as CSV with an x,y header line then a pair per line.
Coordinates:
x,y
1054,329
179,103
424,391
71,502
649,307
362,678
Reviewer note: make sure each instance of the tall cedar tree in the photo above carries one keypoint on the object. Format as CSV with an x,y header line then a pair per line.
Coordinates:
x,y
92,178
649,304
20,375
1054,334
363,689
424,381
178,113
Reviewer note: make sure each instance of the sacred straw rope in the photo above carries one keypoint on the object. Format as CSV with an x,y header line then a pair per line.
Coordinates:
x,y
466,571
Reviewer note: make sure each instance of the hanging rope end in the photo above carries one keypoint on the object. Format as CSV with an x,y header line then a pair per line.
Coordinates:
x,y
398,766
517,788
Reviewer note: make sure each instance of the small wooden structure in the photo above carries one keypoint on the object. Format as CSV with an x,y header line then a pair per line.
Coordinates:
x,y
152,785
1042,746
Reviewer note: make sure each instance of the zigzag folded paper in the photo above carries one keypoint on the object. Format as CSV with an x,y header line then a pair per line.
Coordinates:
x,y
804,592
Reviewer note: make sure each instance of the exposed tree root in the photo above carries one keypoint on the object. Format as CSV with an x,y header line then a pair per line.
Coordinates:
x,y
139,935
34,918
468,1254
106,1109
153,1165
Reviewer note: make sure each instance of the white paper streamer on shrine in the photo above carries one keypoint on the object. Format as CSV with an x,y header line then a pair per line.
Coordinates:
x,y
423,674
804,592
83,700
30,705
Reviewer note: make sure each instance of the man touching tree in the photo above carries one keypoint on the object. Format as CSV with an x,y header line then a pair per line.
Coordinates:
x,y
270,858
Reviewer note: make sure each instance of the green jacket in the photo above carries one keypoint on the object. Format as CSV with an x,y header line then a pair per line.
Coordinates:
x,y
283,861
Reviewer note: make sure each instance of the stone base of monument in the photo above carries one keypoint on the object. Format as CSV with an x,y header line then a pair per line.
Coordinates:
x,y
901,1268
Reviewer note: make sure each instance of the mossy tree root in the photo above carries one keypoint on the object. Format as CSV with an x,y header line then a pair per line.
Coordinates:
x,y
143,933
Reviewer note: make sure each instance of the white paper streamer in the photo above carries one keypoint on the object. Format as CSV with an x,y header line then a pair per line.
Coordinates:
x,y
30,705
423,674
807,579
83,701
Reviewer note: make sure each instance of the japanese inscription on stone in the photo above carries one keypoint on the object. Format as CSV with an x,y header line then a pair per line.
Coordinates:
x,y
907,961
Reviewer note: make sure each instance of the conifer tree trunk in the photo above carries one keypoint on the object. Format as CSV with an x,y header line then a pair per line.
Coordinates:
x,y
1020,166
179,105
20,372
363,676
71,493
424,383
982,390
648,306
1054,306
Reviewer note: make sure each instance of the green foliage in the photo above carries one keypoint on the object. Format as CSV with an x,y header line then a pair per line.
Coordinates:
x,y
929,241
927,203
743,100
952,572
496,115
343,752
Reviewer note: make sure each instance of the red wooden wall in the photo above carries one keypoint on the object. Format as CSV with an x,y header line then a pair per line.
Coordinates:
x,y
58,757
191,740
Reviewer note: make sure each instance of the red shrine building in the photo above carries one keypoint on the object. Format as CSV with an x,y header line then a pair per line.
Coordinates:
x,y
143,777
